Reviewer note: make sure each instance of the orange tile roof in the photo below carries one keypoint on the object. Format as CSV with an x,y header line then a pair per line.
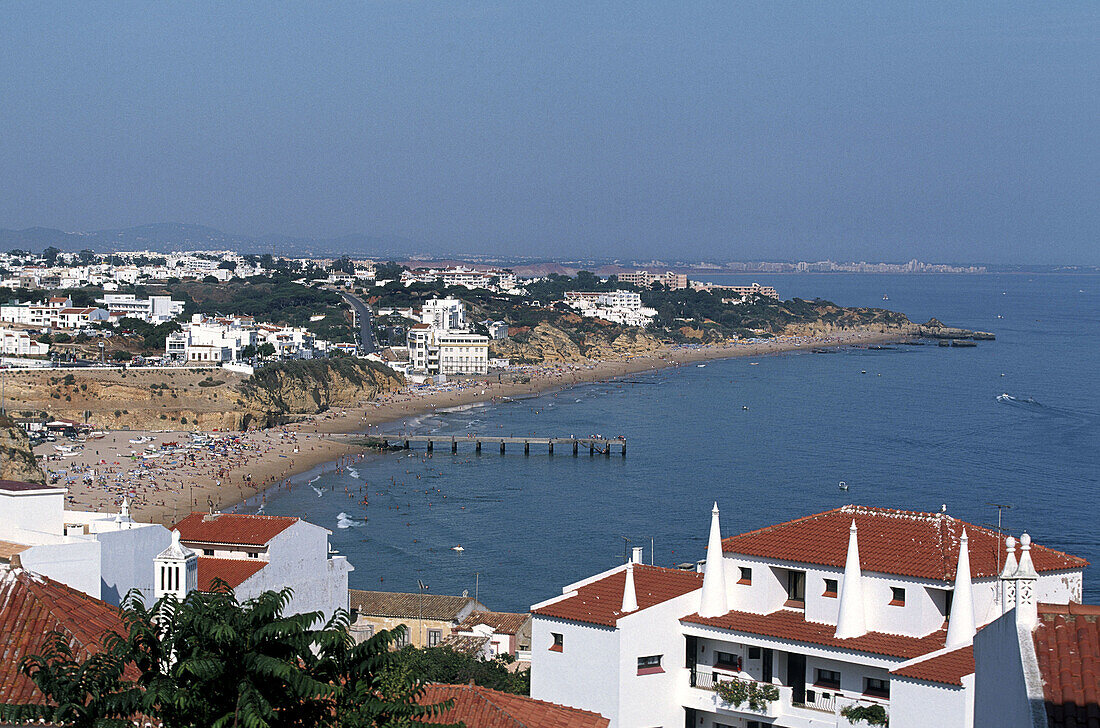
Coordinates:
x,y
34,606
480,707
1067,646
904,543
232,571
599,602
232,528
948,668
786,624
9,549
501,622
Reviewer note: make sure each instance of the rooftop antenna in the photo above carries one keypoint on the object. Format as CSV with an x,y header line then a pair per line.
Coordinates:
x,y
1001,507
626,549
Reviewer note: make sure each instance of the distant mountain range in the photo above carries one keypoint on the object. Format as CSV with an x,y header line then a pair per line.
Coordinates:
x,y
168,236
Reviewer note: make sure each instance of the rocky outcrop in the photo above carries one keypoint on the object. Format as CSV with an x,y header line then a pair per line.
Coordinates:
x,y
17,461
631,342
548,344
277,393
543,344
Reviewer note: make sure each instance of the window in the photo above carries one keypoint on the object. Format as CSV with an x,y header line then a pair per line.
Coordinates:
x,y
948,596
559,642
649,665
434,636
830,588
796,589
828,679
253,555
208,552
897,595
876,688
727,660
754,653
746,575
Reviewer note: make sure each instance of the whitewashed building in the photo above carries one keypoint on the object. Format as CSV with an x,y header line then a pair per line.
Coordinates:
x,y
621,307
253,554
154,310
101,554
442,343
819,620
18,342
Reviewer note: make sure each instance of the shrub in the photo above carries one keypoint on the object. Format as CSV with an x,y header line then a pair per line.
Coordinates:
x,y
737,692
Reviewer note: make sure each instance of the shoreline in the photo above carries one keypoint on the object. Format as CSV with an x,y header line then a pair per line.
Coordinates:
x,y
245,465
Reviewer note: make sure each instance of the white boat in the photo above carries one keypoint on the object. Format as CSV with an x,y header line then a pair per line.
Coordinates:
x,y
843,485
885,297
457,548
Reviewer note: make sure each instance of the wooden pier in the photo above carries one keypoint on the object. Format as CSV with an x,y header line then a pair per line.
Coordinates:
x,y
594,445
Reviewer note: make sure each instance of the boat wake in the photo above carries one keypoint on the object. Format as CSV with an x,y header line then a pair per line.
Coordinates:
x,y
344,521
353,473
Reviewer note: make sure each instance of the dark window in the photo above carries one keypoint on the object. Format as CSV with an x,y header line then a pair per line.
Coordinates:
x,y
434,636
649,664
949,596
727,660
746,575
402,638
208,552
754,653
253,555
559,642
830,588
828,679
796,588
877,688
897,596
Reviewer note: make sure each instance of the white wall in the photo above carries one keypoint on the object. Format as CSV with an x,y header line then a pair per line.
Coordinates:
x,y
1000,689
585,674
127,560
39,511
75,563
919,704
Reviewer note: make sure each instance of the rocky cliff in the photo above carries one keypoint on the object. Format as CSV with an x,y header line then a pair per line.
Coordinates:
x,y
16,459
550,344
275,394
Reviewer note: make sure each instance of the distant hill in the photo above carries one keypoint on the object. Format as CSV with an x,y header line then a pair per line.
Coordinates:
x,y
168,236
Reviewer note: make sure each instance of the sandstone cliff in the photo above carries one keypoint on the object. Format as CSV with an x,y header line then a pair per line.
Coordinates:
x,y
275,394
550,344
16,459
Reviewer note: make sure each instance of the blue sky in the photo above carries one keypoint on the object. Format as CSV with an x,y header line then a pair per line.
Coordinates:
x,y
947,131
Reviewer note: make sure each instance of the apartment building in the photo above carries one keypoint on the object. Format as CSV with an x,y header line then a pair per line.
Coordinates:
x,y
645,279
17,342
754,289
442,343
154,310
848,612
254,554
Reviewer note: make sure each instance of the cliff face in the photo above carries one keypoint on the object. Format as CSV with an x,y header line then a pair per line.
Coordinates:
x,y
16,459
550,344
275,394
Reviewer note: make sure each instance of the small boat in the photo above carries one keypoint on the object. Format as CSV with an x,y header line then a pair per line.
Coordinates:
x,y
457,548
843,485
885,297
700,365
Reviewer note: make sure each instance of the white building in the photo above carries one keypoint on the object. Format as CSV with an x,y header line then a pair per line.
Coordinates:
x,y
103,555
17,342
154,310
621,307
441,344
253,554
211,339
812,618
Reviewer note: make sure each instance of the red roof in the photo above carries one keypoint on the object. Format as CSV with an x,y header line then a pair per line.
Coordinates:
x,y
34,606
232,528
786,624
599,602
948,668
232,571
904,543
500,622
19,485
480,707
1067,645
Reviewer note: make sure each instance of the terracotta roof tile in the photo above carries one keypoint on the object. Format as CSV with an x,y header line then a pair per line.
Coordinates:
x,y
787,624
465,644
232,528
480,707
34,606
1067,645
948,668
904,543
501,622
9,549
599,602
233,572
401,604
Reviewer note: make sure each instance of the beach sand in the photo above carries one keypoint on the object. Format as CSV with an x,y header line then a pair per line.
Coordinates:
x,y
241,464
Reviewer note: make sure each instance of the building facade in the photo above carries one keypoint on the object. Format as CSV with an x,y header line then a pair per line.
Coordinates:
x,y
429,618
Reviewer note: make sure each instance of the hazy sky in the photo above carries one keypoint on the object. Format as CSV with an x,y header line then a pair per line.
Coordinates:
x,y
879,130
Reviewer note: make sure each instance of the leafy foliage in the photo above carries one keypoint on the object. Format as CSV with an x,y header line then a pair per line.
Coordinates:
x,y
445,665
212,661
870,714
737,692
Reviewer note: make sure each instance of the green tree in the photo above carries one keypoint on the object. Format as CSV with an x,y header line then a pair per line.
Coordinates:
x,y
445,665
266,349
50,254
388,271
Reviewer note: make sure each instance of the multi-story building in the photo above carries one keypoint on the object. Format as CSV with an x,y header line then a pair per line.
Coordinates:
x,y
441,344
799,624
488,635
101,554
17,342
254,554
154,310
622,307
645,279
741,291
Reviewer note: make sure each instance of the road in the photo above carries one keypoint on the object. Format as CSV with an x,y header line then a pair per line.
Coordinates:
x,y
366,332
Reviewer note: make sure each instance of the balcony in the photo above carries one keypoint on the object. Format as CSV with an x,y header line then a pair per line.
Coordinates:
x,y
703,679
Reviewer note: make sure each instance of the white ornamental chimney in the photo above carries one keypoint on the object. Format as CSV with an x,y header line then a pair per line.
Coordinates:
x,y
630,597
712,602
960,627
1027,610
636,556
1008,574
851,620
176,570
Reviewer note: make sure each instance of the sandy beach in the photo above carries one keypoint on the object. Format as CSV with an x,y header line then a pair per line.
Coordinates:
x,y
167,474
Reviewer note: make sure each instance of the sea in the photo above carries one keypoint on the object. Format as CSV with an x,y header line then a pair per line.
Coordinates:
x,y
1007,433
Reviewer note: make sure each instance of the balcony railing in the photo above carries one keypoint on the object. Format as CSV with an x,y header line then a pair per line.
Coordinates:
x,y
823,700
708,680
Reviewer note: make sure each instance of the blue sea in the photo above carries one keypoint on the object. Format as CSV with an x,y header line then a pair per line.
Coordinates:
x,y
769,438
